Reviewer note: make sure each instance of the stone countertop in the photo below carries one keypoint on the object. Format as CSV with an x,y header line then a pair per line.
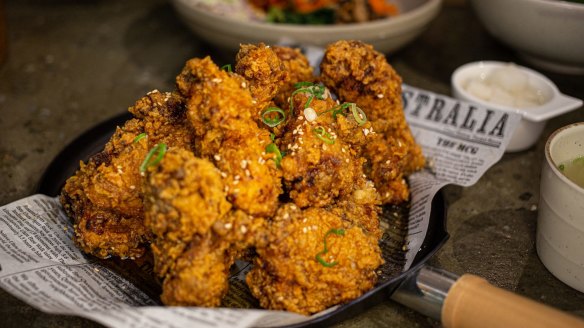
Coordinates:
x,y
72,64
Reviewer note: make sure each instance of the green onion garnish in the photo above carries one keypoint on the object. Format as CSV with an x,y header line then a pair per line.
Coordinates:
x,y
357,112
140,137
160,150
272,137
271,121
321,134
561,167
314,90
226,68
273,148
340,232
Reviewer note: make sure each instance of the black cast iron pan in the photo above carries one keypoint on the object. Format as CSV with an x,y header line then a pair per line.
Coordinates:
x,y
92,141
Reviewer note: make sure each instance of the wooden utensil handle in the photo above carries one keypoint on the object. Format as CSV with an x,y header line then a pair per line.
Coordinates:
x,y
473,302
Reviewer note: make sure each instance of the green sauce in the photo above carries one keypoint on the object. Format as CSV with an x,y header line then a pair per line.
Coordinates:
x,y
574,170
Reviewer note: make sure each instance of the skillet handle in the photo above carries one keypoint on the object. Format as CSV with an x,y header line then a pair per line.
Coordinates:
x,y
473,302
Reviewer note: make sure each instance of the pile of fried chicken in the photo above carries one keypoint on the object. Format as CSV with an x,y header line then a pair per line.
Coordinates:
x,y
267,163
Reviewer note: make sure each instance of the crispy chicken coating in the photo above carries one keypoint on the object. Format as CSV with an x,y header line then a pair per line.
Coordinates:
x,y
298,69
312,259
104,197
357,73
319,167
264,71
220,108
197,234
184,198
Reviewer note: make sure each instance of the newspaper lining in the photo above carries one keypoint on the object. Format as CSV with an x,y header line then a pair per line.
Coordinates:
x,y
40,264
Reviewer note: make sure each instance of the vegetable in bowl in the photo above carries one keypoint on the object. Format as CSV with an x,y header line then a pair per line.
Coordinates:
x,y
318,12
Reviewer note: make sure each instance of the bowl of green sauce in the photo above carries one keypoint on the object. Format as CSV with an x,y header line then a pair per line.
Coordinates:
x,y
560,222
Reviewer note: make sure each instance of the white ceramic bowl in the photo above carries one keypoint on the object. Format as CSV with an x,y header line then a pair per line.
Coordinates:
x,y
533,119
560,222
227,27
549,34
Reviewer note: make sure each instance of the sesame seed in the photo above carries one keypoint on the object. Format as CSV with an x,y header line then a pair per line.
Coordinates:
x,y
228,225
132,187
247,173
235,182
237,177
217,157
380,95
216,80
243,85
243,229
243,164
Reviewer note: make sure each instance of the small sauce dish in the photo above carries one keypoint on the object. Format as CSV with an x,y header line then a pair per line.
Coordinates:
x,y
513,88
560,221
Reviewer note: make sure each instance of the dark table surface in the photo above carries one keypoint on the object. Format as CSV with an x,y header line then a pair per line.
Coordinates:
x,y
72,64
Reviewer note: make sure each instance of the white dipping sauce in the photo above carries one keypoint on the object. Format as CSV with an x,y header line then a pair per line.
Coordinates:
x,y
507,86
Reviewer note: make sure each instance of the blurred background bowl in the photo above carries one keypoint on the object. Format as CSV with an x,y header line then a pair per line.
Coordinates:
x,y
547,33
231,23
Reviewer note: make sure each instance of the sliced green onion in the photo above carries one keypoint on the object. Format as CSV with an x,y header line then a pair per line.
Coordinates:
x,y
226,68
358,114
272,122
340,109
140,137
321,134
272,137
303,84
340,232
160,150
314,90
273,148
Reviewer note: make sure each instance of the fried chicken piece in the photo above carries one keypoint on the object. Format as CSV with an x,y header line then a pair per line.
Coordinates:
x,y
311,260
104,198
298,69
264,71
359,74
318,167
184,198
197,234
219,108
